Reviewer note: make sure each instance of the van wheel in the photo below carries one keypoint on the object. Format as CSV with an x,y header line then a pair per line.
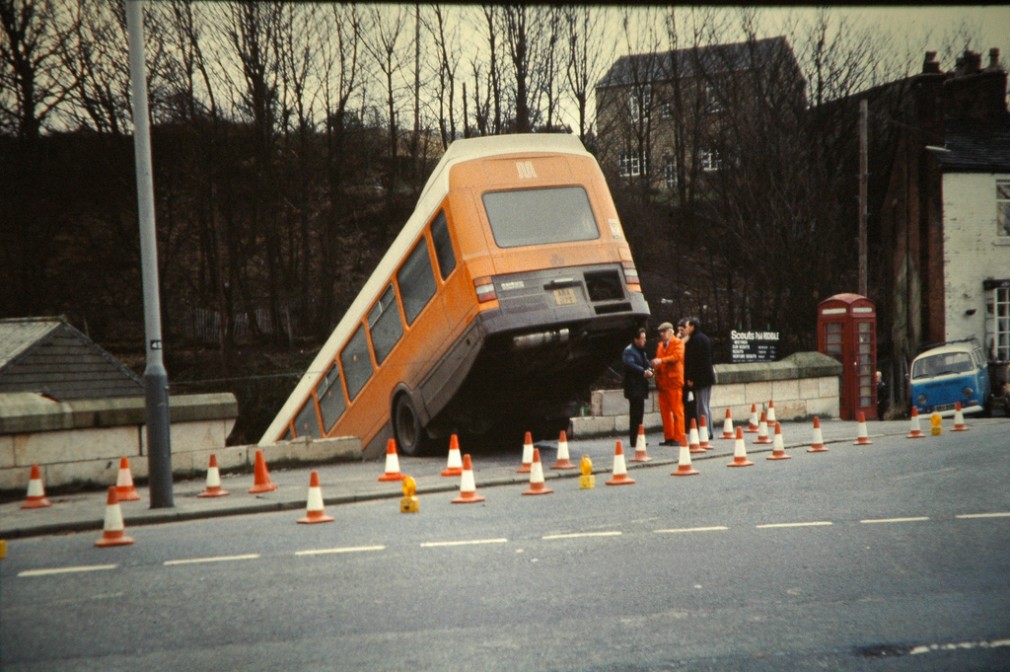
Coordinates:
x,y
411,439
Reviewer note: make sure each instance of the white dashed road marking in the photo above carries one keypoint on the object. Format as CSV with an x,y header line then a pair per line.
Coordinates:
x,y
580,535
470,542
954,646
1003,514
717,528
345,549
895,520
66,570
220,558
816,523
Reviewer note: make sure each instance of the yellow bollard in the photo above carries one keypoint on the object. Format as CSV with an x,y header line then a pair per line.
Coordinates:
x,y
409,503
3,549
586,481
936,423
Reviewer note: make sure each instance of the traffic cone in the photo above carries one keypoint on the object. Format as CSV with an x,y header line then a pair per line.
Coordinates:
x,y
213,488
467,487
261,476
779,449
392,472
817,443
740,452
527,464
771,413
703,435
727,426
124,483
862,435
563,461
693,439
454,465
620,474
684,467
36,498
959,425
113,531
537,486
762,437
752,423
314,505
914,432
641,454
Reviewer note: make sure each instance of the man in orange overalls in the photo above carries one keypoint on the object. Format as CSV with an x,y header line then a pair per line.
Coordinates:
x,y
669,367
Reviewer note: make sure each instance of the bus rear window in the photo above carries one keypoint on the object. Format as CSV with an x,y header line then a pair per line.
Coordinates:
x,y
540,216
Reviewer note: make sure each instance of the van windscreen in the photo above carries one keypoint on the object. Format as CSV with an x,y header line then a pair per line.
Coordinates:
x,y
540,216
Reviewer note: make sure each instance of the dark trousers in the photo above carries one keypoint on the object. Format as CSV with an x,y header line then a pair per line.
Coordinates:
x,y
636,414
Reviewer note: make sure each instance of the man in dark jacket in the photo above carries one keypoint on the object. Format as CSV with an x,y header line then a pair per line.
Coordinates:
x,y
637,373
699,374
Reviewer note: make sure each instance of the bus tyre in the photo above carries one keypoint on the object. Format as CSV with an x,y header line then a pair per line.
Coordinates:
x,y
410,436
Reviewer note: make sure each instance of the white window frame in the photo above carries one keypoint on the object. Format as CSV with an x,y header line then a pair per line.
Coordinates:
x,y
712,103
640,101
629,164
670,171
1003,208
1000,324
711,162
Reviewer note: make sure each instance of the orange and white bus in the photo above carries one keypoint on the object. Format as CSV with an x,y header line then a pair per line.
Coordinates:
x,y
510,289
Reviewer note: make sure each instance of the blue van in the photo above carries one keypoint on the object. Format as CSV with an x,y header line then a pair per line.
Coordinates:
x,y
951,373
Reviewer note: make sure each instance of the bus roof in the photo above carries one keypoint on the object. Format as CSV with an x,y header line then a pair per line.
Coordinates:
x,y
432,195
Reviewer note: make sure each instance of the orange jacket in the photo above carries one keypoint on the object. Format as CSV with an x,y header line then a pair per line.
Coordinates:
x,y
670,373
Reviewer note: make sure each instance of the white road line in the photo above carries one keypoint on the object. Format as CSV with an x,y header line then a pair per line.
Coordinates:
x,y
953,646
817,523
580,535
345,549
66,570
220,558
915,519
470,542
717,528
965,516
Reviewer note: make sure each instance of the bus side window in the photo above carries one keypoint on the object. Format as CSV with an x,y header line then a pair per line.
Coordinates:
x,y
443,245
307,424
384,324
416,281
356,363
331,397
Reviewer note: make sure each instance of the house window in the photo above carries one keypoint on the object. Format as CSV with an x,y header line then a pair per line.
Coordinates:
x,y
712,103
711,161
666,111
1003,207
1000,311
629,165
670,171
640,101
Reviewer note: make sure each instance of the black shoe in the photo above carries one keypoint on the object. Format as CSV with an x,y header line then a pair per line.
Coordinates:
x,y
667,442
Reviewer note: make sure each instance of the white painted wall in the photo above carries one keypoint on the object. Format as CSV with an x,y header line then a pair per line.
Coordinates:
x,y
972,250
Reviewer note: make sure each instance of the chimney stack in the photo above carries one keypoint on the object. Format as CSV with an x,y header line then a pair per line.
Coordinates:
x,y
972,61
993,59
930,65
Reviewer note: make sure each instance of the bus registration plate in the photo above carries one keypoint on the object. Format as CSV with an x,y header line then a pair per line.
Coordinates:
x,y
565,297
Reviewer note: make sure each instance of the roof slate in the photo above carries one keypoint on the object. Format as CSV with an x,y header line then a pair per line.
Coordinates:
x,y
973,146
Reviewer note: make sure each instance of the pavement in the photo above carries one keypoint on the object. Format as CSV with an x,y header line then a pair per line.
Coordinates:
x,y
356,481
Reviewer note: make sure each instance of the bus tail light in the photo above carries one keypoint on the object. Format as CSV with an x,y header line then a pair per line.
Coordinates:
x,y
485,289
631,276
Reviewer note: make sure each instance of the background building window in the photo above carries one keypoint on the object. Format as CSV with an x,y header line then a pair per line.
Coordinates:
x,y
712,103
670,171
629,165
640,101
711,161
1003,207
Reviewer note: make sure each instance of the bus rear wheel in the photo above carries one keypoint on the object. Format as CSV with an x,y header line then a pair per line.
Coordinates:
x,y
411,438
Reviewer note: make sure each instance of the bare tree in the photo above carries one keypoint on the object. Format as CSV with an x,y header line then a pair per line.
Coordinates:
x,y
590,52
386,44
446,41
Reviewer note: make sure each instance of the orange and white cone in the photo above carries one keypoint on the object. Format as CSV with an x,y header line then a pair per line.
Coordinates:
x,y
693,439
914,431
564,461
113,530
703,435
537,486
213,488
770,413
392,472
454,464
752,423
779,449
124,483
727,426
959,425
261,476
684,467
527,463
762,437
862,434
467,486
620,473
36,498
740,451
314,512
817,440
641,454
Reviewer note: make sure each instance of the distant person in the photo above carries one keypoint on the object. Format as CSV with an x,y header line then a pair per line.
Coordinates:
x,y
699,373
881,395
669,370
637,373
687,395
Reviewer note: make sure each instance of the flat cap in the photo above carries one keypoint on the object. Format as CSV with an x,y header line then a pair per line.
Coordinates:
x,y
664,326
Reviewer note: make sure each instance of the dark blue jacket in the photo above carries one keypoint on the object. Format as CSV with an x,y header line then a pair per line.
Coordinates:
x,y
636,361
698,360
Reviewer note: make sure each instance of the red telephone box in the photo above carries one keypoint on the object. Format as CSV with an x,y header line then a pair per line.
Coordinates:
x,y
847,331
